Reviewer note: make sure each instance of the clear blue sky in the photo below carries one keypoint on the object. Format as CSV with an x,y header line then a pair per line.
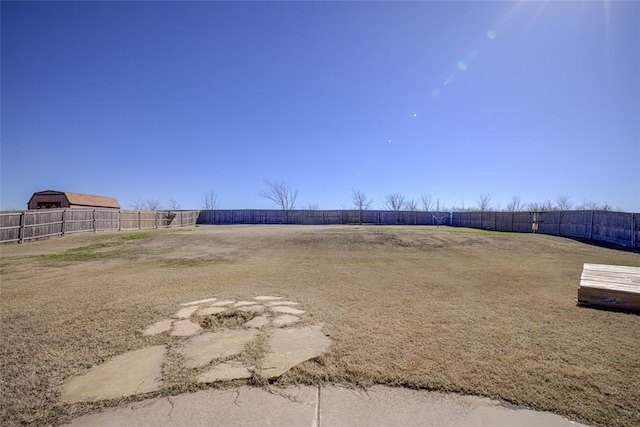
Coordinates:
x,y
139,100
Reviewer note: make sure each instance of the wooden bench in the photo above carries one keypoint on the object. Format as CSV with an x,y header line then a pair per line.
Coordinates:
x,y
610,286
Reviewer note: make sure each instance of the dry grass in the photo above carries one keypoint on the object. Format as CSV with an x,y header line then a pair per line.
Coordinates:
x,y
472,312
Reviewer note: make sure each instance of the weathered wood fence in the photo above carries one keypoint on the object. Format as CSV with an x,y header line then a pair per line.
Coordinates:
x,y
21,226
620,228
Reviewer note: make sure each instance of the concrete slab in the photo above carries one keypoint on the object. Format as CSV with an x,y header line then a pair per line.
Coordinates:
x,y
185,313
285,320
134,372
388,406
286,310
185,328
266,298
158,327
238,407
225,372
202,349
222,303
257,322
202,301
290,347
211,310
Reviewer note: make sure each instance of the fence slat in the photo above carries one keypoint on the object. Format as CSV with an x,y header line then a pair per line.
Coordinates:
x,y
24,226
601,226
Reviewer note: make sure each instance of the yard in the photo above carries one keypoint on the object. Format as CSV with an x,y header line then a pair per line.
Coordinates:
x,y
450,309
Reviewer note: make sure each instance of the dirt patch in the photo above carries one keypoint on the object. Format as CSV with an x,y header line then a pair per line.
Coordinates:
x,y
228,319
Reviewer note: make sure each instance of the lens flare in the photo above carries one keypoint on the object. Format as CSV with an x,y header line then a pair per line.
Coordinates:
x,y
462,65
491,34
435,93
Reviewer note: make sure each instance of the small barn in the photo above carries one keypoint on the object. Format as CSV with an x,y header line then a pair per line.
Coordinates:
x,y
51,199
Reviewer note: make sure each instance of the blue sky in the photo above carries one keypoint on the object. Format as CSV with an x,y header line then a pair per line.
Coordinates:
x,y
139,100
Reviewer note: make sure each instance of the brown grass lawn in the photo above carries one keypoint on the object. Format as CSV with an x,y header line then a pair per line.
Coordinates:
x,y
459,310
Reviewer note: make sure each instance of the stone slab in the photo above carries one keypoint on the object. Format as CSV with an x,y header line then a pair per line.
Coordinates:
x,y
389,406
202,349
244,303
202,301
134,372
257,322
222,303
158,327
285,320
243,406
185,313
274,303
211,310
290,347
225,372
266,298
185,328
287,310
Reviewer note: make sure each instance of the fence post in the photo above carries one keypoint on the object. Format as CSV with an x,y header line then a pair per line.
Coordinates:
x,y
21,231
64,212
119,219
94,220
559,219
633,230
591,226
139,220
495,221
155,219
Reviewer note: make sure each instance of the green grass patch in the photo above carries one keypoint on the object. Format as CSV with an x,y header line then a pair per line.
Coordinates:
x,y
137,236
85,253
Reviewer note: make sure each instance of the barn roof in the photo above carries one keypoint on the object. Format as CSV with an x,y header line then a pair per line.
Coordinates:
x,y
85,199
90,200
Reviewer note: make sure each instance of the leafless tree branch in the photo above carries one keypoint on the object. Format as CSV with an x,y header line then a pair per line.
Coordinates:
x,y
280,193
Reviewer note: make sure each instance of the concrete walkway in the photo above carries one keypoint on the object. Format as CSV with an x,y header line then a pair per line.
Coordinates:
x,y
326,406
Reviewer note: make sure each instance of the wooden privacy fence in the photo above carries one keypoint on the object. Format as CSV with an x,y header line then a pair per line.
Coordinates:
x,y
21,226
620,228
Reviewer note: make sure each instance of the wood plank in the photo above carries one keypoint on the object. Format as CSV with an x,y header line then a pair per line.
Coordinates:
x,y
622,288
612,268
609,299
608,278
611,286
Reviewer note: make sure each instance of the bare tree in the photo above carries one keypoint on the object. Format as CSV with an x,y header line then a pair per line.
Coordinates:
x,y
152,204
210,201
545,206
280,193
514,205
484,202
439,216
312,207
563,203
173,204
427,202
594,205
410,205
137,204
393,202
361,202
